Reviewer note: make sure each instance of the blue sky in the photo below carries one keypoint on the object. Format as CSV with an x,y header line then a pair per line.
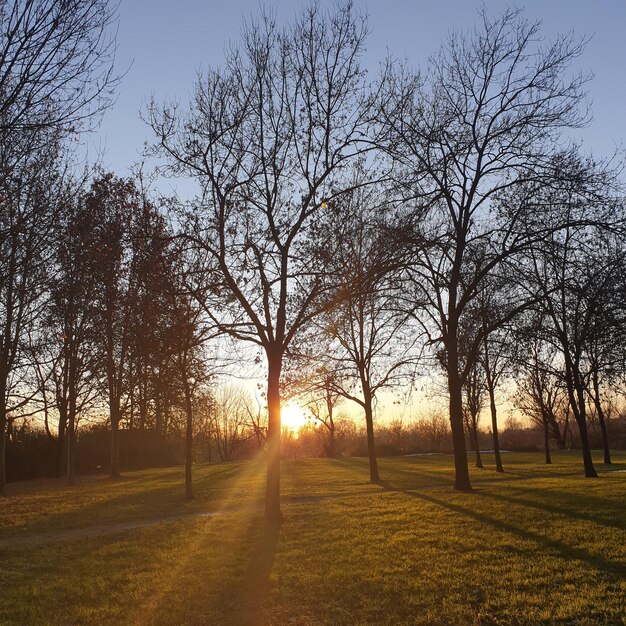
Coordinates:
x,y
167,42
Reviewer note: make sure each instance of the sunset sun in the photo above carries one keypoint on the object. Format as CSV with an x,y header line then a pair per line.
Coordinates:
x,y
293,417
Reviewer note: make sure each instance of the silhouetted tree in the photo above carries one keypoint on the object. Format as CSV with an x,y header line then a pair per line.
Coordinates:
x,y
68,363
55,76
269,138
370,342
572,269
485,119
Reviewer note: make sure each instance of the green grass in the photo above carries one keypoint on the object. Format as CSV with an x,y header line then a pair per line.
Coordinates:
x,y
537,545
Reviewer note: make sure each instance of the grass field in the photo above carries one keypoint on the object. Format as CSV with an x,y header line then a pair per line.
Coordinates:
x,y
537,545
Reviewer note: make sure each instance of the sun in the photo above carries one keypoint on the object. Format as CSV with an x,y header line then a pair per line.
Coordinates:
x,y
292,416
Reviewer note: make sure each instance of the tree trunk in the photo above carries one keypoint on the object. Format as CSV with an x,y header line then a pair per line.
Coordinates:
x,y
577,401
71,425
59,444
115,442
601,419
331,441
188,434
371,447
478,458
272,493
461,470
546,441
3,434
494,431
71,438
494,414
3,454
331,426
553,427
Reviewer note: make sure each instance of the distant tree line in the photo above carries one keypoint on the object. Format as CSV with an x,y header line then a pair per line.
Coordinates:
x,y
356,233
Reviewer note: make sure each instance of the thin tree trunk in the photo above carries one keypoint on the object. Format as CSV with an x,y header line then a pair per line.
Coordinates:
x,y
272,494
71,438
494,431
115,442
71,425
3,454
188,432
3,434
546,441
494,411
474,430
331,441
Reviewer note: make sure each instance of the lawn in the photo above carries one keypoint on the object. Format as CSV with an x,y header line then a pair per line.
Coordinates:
x,y
537,545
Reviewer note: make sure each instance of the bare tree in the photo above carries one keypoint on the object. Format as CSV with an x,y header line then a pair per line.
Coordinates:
x,y
268,138
486,118
68,361
230,421
310,379
539,393
474,399
55,75
371,339
573,272
30,200
56,64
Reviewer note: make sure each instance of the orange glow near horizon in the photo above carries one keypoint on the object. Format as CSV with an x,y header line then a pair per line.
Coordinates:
x,y
293,417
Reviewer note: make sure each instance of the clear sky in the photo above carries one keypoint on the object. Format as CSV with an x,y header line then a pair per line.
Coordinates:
x,y
167,41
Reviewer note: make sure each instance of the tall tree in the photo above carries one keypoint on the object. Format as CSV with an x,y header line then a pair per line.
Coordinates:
x,y
371,345
30,198
116,206
486,118
269,138
573,271
69,362
56,75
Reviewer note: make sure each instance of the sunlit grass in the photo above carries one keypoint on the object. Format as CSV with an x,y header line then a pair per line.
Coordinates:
x,y
539,545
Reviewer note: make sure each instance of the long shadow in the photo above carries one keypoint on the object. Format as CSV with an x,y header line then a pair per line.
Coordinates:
x,y
153,499
255,589
565,511
566,551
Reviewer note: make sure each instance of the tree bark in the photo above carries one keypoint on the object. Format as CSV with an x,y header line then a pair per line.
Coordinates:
x,y
546,441
455,390
188,432
601,419
371,446
272,493
576,396
115,442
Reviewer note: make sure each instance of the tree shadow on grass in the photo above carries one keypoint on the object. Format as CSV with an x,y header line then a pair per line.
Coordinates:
x,y
566,551
255,587
147,499
566,511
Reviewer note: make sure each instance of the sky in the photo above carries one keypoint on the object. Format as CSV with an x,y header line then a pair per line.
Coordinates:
x,y
162,44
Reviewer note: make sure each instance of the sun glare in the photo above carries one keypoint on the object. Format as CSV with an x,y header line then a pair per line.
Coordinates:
x,y
292,416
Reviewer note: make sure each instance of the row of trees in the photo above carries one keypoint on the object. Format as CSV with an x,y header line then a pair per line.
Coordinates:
x,y
56,77
441,205
355,233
